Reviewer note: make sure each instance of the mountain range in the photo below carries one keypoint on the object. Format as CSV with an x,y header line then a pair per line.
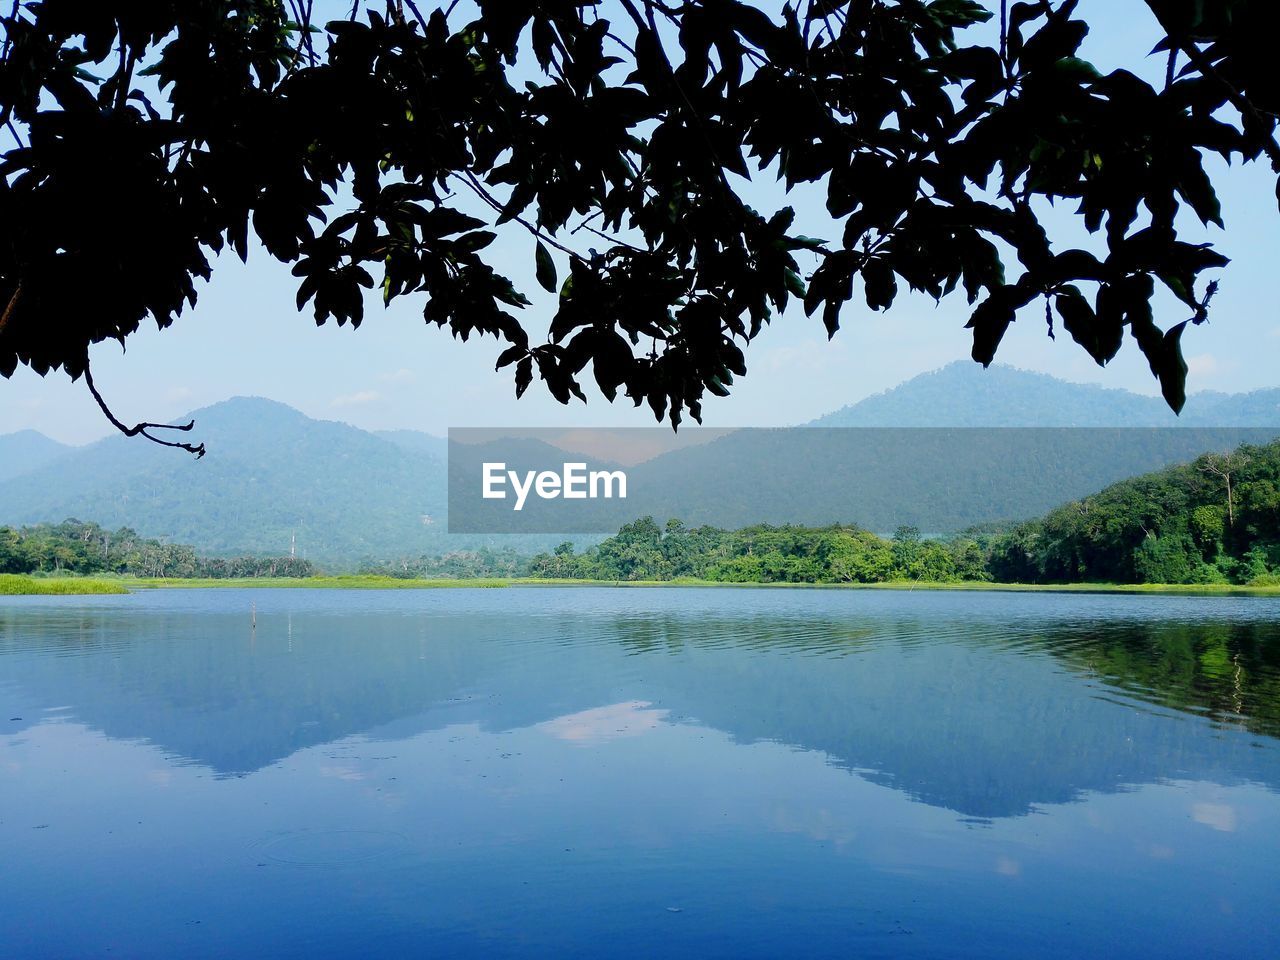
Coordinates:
x,y
963,394
275,479
26,451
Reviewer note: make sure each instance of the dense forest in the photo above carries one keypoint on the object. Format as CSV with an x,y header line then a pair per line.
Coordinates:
x,y
766,554
456,564
1215,520
76,547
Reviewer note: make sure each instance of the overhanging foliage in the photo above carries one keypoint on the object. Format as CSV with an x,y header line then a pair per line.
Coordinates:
x,y
147,136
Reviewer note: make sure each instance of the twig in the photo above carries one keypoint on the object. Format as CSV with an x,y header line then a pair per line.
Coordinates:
x,y
585,221
1004,34
126,81
698,119
8,310
8,38
634,14
604,236
302,11
417,13
620,42
1238,99
142,428
488,198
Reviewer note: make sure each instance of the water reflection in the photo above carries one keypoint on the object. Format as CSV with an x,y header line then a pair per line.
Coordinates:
x,y
644,773
602,724
938,697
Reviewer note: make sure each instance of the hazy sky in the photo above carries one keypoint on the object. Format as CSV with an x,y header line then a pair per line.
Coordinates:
x,y
245,336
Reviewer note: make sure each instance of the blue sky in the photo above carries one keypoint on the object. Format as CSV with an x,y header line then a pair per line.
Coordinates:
x,y
245,336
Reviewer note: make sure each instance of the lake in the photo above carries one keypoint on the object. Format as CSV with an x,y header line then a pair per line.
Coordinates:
x,y
582,772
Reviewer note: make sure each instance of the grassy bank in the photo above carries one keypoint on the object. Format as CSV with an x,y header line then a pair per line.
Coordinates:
x,y
20,585
14,585
352,582
1212,589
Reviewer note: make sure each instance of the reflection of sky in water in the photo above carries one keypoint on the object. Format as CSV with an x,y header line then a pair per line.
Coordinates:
x,y
637,773
602,724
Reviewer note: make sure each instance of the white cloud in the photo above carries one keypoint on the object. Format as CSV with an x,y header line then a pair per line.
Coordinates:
x,y
1219,816
178,393
807,356
1204,364
602,724
359,399
1007,867
403,375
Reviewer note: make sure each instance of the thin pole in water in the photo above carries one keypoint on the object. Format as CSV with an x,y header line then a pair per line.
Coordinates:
x,y
253,615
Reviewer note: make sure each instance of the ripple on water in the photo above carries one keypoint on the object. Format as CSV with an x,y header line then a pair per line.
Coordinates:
x,y
330,848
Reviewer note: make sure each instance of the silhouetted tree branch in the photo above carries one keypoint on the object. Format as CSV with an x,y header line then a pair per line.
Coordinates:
x,y
236,122
141,429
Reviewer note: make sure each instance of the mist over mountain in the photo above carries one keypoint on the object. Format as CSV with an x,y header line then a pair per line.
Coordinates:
x,y
28,450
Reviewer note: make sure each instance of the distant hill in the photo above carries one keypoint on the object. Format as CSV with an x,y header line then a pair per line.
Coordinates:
x,y
941,480
1259,408
271,474
416,441
963,394
27,450
272,477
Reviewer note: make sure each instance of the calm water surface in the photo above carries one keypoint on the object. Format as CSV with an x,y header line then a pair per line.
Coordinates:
x,y
639,773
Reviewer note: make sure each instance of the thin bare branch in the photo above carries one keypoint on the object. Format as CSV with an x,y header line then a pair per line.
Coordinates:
x,y
478,188
1004,34
302,14
417,13
12,305
141,429
8,38
620,42
584,225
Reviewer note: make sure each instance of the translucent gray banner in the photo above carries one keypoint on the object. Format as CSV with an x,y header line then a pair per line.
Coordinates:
x,y
938,480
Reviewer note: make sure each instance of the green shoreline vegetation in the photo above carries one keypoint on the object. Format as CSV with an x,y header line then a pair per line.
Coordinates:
x,y
1214,522
15,585
12,585
1209,527
353,581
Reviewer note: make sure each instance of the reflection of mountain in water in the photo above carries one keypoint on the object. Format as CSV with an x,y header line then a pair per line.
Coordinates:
x,y
983,725
209,689
927,698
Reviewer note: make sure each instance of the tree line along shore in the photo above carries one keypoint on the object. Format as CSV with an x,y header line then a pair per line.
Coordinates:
x,y
1211,523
